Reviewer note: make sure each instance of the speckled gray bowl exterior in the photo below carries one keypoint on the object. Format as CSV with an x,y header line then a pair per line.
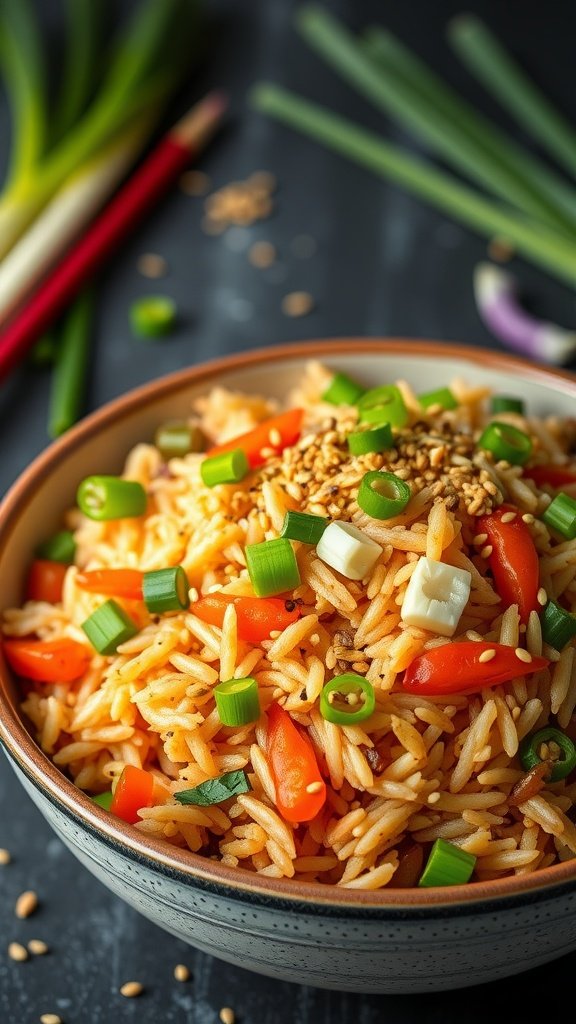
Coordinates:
x,y
391,941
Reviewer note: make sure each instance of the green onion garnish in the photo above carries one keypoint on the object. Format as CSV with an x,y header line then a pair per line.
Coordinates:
x,y
561,515
379,439
166,590
215,791
108,627
383,405
447,865
304,527
551,746
152,316
176,439
506,442
347,699
110,497
506,403
383,495
104,800
558,625
443,397
272,567
342,390
224,468
237,701
61,547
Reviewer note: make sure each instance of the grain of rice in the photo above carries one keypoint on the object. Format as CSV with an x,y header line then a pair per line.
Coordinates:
x,y
476,739
270,822
292,637
18,952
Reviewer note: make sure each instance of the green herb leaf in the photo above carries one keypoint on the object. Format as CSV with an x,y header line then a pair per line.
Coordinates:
x,y
215,791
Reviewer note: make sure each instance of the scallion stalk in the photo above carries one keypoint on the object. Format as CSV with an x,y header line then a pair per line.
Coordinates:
x,y
72,359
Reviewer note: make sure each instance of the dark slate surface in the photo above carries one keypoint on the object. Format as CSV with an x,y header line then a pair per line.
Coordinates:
x,y
384,265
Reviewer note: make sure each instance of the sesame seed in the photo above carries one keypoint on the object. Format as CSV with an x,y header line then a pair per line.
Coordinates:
x,y
433,798
357,832
471,634
487,551
542,597
131,989
480,539
528,518
50,1018
26,904
151,265
508,517
227,1016
5,857
267,452
313,787
297,304
487,656
523,655
17,952
275,437
262,255
181,972
37,947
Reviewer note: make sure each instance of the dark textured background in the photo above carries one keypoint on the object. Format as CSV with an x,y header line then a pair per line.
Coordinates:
x,y
384,265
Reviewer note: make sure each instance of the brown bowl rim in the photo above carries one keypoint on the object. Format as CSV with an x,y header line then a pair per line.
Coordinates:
x,y
185,865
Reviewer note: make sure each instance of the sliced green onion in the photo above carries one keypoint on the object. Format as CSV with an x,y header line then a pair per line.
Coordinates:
x,y
561,515
379,439
166,590
108,627
342,390
347,699
383,495
272,567
537,747
61,547
237,701
104,800
447,865
176,439
152,316
506,442
215,791
558,626
506,403
224,468
303,526
383,405
443,397
110,497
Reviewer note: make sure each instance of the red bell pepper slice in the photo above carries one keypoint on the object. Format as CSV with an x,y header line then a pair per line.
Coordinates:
x,y
257,616
47,661
46,581
294,769
125,583
134,790
554,476
514,560
456,668
286,426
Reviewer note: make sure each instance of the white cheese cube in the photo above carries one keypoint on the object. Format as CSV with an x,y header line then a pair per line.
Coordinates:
x,y
436,596
348,550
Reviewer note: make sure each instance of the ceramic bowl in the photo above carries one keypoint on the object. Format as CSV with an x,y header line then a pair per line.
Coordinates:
x,y
388,941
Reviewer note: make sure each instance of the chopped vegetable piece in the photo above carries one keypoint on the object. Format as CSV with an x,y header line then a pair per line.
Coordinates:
x,y
383,405
447,865
558,626
348,550
551,746
436,596
466,667
166,590
272,567
347,699
506,403
47,661
134,790
379,439
104,800
271,436
215,791
237,701
256,616
443,397
513,560
561,515
45,581
108,627
125,583
342,390
226,468
61,547
383,495
303,527
552,476
176,439
152,316
300,788
506,442
110,497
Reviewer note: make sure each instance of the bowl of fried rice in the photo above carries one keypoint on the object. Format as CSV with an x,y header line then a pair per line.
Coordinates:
x,y
287,659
